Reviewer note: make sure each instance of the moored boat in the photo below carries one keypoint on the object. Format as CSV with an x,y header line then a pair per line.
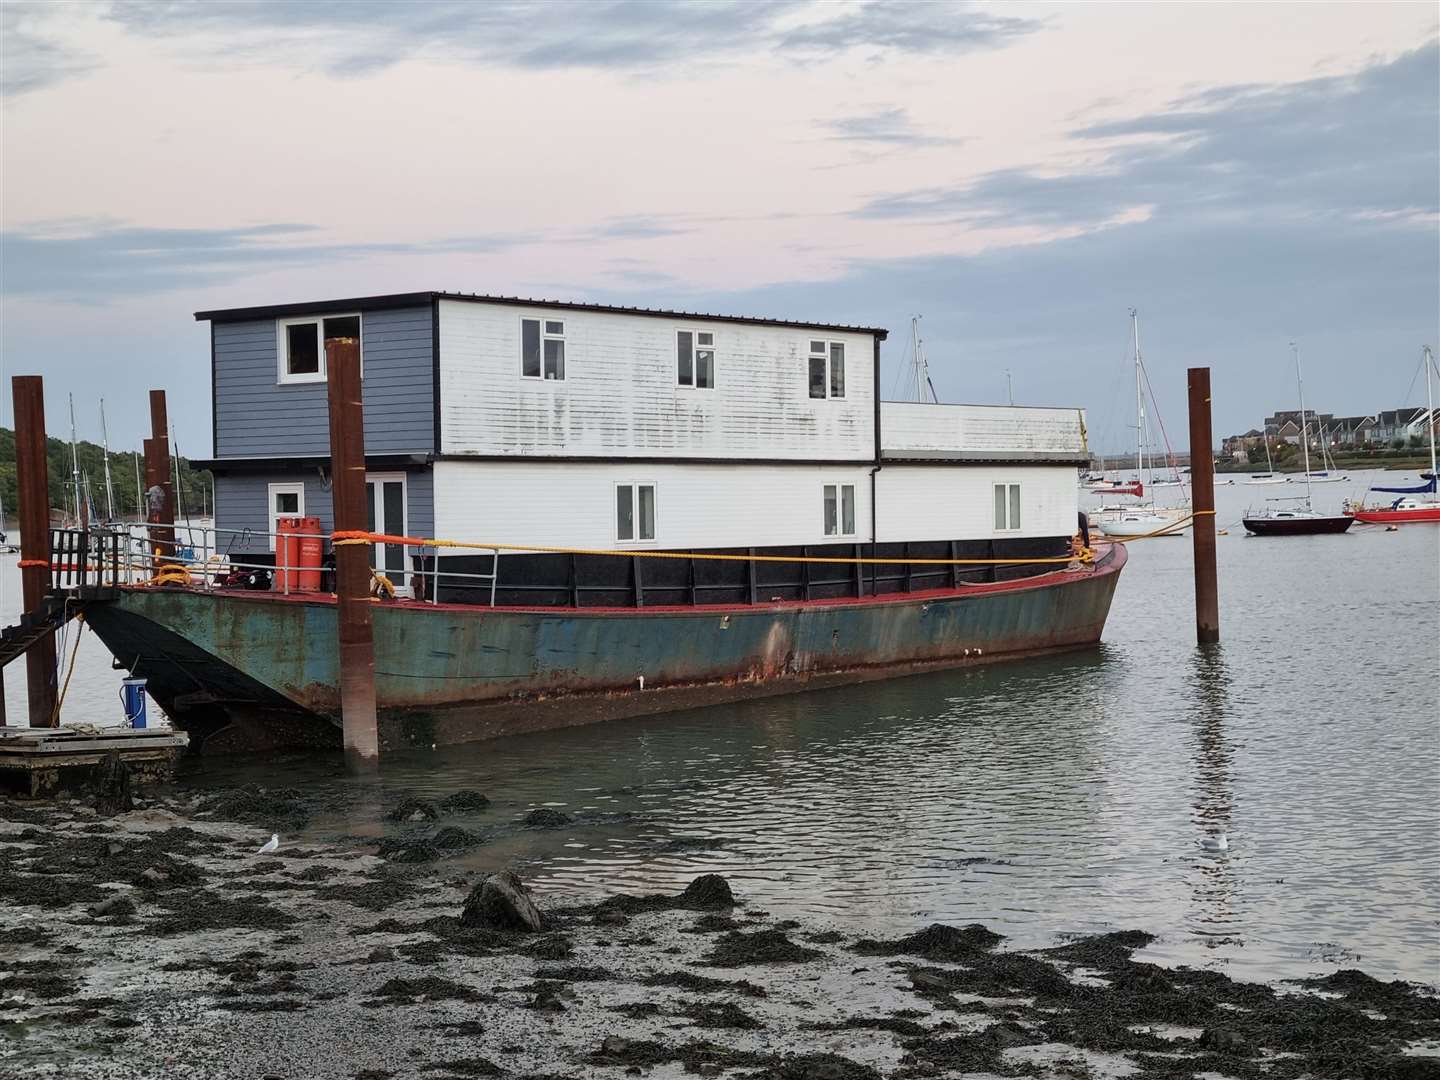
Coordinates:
x,y
1409,510
656,509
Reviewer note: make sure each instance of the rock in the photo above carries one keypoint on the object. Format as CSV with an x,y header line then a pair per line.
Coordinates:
x,y
116,905
611,918
114,847
710,1068
927,983
708,891
464,802
452,838
501,902
112,786
155,875
381,954
546,1001
546,818
413,810
1225,1042
614,1046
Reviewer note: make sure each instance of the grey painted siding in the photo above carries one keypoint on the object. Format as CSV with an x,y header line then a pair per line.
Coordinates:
x,y
242,502
257,416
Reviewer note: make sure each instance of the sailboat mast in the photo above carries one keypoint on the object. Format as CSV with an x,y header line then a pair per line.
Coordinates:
x,y
74,460
105,444
1139,400
1304,430
1429,360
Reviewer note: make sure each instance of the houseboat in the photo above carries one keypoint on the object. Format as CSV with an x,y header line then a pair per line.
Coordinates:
x,y
683,509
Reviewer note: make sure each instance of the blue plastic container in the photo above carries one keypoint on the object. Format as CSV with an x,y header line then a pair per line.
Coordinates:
x,y
132,694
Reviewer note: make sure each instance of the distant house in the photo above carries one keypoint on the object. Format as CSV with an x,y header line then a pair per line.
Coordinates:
x,y
1350,430
1237,447
1313,421
1392,424
1289,431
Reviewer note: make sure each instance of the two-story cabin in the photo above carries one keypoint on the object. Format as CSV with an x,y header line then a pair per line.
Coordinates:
x,y
591,427
703,507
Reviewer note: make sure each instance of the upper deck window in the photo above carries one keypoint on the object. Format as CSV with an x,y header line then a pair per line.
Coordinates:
x,y
301,344
542,349
827,369
695,358
1007,507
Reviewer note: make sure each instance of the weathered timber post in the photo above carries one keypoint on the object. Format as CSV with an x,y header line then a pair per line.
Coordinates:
x,y
159,510
32,474
1202,490
352,561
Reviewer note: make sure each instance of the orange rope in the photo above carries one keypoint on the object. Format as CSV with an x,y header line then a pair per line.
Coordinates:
x,y
23,563
346,537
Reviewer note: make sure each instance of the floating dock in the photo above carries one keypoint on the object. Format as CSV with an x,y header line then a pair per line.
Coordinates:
x,y
40,761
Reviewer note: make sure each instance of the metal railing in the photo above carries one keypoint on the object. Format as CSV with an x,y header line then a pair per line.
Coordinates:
x,y
130,554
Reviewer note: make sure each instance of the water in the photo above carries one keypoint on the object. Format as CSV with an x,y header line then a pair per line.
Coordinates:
x,y
1059,795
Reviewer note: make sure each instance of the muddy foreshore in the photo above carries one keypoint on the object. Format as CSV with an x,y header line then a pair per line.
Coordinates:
x,y
156,942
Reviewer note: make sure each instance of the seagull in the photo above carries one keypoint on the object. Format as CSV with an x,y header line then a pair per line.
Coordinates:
x,y
273,844
1213,843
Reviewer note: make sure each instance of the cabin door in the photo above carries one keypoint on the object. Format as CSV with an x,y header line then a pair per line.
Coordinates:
x,y
388,513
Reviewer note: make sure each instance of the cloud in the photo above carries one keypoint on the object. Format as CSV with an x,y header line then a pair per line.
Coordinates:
x,y
917,26
1343,146
636,227
90,261
346,39
883,127
30,56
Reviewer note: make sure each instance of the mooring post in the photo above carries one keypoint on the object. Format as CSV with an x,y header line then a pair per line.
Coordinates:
x,y
352,561
160,510
1202,492
32,474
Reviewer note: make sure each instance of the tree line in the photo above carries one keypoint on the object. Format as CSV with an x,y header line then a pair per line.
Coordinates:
x,y
195,484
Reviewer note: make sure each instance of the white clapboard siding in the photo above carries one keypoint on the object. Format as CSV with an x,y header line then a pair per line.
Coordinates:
x,y
697,506
620,396
956,502
975,432
714,506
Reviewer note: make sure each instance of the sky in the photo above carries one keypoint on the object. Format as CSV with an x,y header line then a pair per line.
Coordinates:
x,y
1019,175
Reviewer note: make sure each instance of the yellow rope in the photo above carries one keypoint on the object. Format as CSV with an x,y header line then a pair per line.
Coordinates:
x,y
74,652
1179,523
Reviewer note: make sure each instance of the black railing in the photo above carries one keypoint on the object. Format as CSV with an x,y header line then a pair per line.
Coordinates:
x,y
83,560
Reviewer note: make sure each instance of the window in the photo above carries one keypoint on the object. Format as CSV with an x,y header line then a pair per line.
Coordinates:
x,y
827,369
695,358
301,344
542,349
286,500
839,509
1007,507
634,512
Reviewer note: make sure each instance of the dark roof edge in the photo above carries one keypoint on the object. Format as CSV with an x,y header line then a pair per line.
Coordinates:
x,y
419,299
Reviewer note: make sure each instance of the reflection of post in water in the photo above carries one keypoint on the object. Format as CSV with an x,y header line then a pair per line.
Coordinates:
x,y
1214,793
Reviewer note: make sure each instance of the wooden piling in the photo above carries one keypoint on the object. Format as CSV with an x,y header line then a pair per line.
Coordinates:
x,y
352,561
32,474
161,512
1202,491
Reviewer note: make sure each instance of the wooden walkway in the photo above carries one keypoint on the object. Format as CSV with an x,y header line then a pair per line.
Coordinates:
x,y
39,761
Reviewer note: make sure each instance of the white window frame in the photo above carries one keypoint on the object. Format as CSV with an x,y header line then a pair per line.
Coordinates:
x,y
634,486
811,354
695,332
282,346
1008,487
839,533
296,487
544,337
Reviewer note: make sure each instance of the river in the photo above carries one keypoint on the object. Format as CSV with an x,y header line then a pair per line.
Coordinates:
x,y
1039,797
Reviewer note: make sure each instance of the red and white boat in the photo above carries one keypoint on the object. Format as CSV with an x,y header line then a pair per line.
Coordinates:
x,y
1408,509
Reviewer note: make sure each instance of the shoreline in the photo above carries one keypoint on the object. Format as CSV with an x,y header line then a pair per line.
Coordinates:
x,y
158,942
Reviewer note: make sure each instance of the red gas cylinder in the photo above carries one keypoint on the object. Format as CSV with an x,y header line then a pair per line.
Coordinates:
x,y
299,552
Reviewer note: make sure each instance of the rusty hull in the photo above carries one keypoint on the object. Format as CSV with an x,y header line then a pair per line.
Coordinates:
x,y
252,668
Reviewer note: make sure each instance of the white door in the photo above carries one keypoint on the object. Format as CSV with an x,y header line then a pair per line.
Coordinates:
x,y
389,513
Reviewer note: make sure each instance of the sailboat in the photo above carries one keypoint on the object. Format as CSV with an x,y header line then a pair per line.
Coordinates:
x,y
1268,476
1141,520
1408,510
1297,520
1328,474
